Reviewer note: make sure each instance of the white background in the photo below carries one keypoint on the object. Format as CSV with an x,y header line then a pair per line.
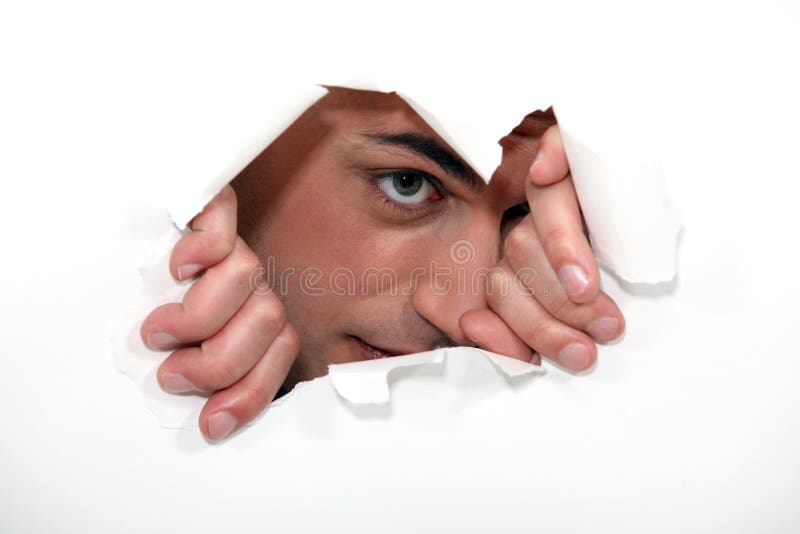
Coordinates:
x,y
689,424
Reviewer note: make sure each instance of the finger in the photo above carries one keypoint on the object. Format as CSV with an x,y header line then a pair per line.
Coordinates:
x,y
601,318
488,331
557,219
226,357
212,237
550,338
208,304
550,162
230,409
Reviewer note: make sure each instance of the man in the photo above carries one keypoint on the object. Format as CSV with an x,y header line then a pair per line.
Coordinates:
x,y
360,183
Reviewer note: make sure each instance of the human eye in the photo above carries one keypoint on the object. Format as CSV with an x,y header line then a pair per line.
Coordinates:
x,y
409,187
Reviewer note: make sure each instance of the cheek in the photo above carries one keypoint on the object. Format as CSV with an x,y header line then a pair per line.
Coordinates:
x,y
331,229
308,229
326,231
330,224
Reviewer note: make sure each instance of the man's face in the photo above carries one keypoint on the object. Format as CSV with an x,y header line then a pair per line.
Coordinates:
x,y
373,232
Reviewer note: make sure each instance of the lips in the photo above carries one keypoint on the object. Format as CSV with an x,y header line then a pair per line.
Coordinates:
x,y
370,352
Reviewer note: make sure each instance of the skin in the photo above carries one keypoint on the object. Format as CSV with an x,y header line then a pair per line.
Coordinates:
x,y
335,192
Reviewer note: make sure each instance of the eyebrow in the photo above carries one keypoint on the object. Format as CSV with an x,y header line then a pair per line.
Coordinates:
x,y
430,149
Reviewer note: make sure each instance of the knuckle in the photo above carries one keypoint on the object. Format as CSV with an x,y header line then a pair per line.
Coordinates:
x,y
542,337
247,277
220,346
255,396
554,236
560,305
531,332
495,283
292,339
220,373
249,263
227,194
272,312
246,262
213,245
516,242
223,243
204,325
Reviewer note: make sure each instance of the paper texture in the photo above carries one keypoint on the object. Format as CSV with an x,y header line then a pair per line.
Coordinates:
x,y
689,425
474,135
623,193
250,129
633,224
365,382
138,362
368,382
631,221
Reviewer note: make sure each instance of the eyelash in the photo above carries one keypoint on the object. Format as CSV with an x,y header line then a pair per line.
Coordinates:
x,y
418,209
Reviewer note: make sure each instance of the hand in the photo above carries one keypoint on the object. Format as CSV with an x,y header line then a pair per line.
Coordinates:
x,y
564,312
232,342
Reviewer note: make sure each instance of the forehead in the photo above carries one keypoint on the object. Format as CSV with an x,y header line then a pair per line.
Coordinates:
x,y
375,111
359,111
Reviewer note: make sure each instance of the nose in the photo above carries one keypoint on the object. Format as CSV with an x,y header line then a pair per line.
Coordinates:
x,y
455,279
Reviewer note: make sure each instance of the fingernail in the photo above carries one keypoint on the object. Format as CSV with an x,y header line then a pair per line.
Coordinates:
x,y
573,279
603,328
161,340
189,270
574,356
176,383
539,157
220,425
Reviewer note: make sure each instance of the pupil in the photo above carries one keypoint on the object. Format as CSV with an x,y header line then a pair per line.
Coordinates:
x,y
407,184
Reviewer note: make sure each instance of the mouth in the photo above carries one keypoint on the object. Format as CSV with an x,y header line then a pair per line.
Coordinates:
x,y
371,352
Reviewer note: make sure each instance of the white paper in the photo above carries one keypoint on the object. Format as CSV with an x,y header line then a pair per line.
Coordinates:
x,y
253,130
138,362
367,382
689,424
630,219
633,224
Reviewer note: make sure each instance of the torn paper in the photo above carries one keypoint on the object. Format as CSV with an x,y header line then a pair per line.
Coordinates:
x,y
131,355
474,132
233,142
623,193
367,382
633,224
